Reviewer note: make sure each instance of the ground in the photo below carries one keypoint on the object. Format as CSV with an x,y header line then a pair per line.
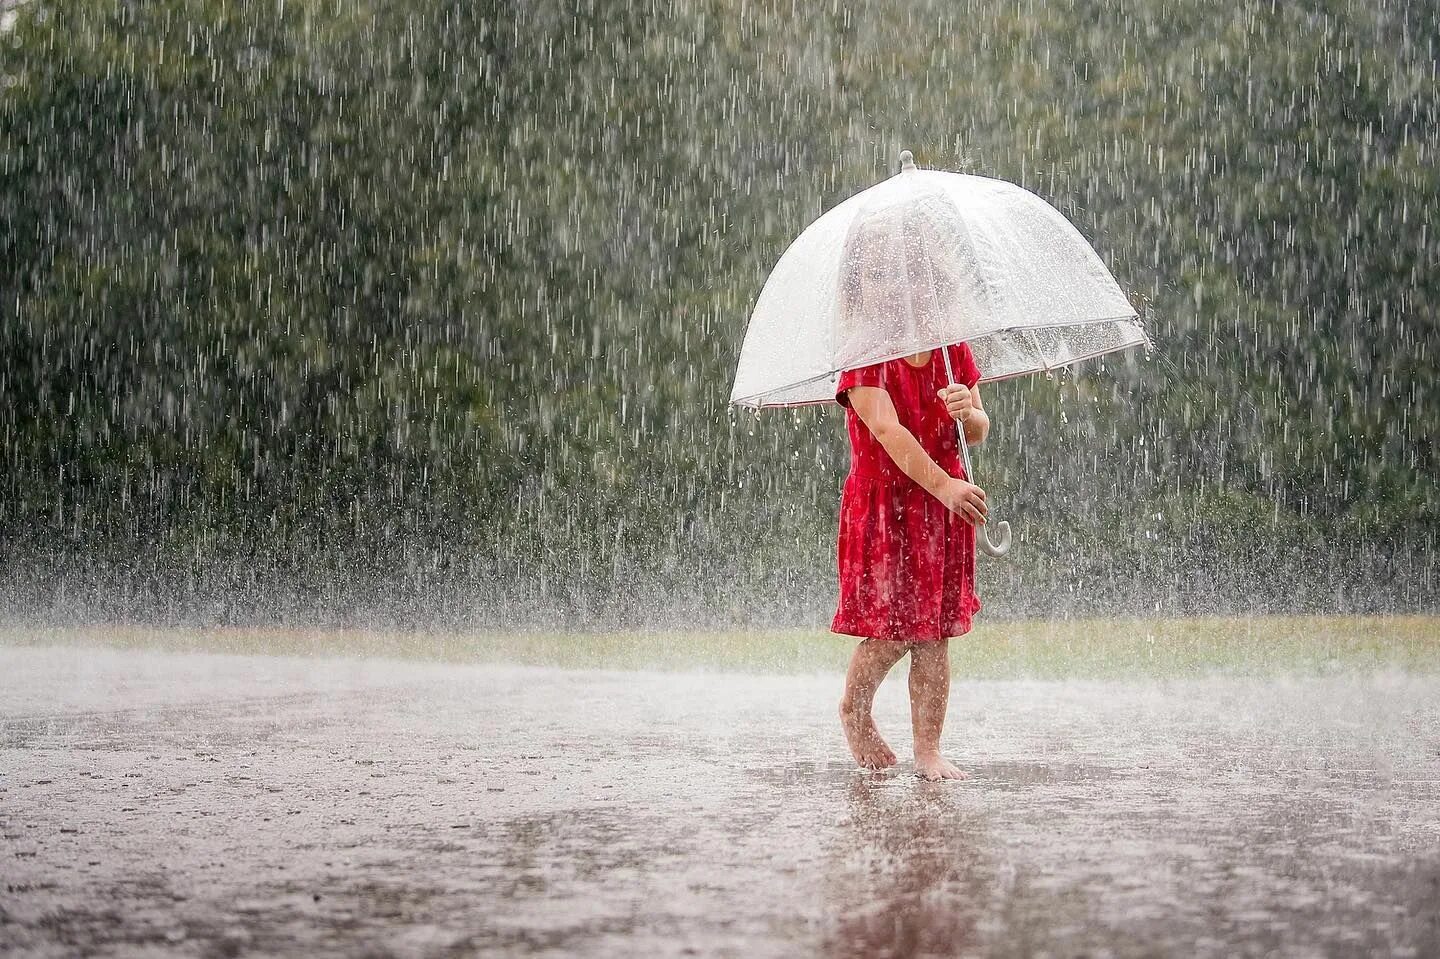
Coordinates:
x,y
201,804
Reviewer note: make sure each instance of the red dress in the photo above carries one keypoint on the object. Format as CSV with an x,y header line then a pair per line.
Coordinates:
x,y
907,564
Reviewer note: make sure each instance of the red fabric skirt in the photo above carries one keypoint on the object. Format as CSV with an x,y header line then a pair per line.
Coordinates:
x,y
907,564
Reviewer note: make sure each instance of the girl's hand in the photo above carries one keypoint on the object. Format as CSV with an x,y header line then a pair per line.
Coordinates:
x,y
966,500
958,401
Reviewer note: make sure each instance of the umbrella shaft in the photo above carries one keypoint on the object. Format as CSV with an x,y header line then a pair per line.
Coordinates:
x,y
959,426
964,451
983,540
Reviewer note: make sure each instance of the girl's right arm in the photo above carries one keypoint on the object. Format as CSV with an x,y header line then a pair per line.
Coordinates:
x,y
876,411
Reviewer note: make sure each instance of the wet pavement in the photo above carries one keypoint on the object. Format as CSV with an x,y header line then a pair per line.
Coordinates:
x,y
226,805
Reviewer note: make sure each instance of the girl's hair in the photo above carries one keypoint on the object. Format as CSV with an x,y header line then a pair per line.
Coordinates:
x,y
906,249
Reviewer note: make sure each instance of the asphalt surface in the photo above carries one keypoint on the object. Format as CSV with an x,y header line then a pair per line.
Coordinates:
x,y
193,804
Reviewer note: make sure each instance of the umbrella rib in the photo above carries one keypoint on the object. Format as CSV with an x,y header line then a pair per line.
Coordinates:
x,y
756,400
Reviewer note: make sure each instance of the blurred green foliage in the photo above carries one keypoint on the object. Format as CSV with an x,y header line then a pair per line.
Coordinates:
x,y
361,304
1112,648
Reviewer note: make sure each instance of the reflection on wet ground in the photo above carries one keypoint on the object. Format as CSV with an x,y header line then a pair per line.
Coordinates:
x,y
200,804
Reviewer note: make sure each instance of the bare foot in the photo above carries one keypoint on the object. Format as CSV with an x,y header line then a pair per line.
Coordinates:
x,y
935,767
866,744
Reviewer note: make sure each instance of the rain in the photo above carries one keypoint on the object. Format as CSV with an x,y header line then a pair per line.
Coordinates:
x,y
383,566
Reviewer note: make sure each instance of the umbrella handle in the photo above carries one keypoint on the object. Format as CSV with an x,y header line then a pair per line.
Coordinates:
x,y
988,546
994,549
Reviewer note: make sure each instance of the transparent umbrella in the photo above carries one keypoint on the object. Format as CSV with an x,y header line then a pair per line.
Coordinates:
x,y
920,261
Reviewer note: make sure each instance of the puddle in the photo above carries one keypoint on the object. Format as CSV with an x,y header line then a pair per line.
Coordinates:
x,y
251,804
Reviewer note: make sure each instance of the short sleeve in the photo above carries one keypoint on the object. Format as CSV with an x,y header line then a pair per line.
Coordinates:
x,y
873,375
966,371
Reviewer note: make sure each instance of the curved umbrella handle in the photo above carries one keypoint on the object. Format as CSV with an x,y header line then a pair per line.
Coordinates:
x,y
987,546
994,549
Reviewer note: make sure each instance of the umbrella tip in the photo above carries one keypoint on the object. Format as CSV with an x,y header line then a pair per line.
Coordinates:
x,y
907,160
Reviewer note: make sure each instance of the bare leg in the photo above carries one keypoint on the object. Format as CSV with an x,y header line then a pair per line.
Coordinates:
x,y
929,697
868,666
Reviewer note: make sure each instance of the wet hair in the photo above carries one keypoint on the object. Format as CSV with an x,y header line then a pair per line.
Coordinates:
x,y
902,245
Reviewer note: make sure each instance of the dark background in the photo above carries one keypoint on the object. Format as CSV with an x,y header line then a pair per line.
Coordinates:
x,y
428,311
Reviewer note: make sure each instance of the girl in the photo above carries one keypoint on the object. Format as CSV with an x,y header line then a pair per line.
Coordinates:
x,y
907,542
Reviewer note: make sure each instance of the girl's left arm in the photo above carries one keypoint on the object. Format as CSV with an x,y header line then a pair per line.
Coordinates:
x,y
963,404
977,425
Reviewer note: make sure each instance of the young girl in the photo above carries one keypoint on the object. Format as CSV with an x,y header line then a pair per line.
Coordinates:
x,y
907,542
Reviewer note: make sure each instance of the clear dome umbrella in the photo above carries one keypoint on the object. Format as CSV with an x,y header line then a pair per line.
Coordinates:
x,y
920,261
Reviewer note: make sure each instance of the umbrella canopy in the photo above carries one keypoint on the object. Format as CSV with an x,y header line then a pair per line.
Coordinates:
x,y
920,261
